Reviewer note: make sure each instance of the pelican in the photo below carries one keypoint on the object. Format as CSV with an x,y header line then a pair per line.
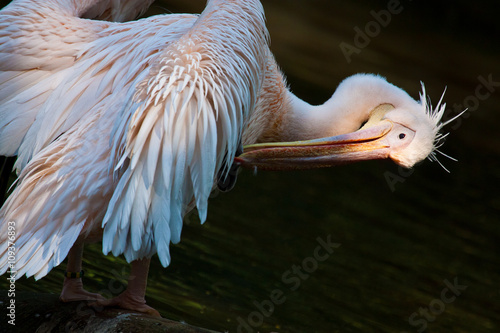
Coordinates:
x,y
122,127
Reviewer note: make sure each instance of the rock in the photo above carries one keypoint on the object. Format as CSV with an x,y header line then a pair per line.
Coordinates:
x,y
44,313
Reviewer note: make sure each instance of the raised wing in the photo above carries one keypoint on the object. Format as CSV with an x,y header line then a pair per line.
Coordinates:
x,y
183,123
63,191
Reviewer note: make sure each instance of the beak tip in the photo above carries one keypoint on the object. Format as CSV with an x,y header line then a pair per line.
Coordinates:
x,y
238,161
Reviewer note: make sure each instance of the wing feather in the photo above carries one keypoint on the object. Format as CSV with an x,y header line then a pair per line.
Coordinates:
x,y
50,79
186,98
51,207
64,186
181,124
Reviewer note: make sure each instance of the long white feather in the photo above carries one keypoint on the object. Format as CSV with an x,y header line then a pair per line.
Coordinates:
x,y
135,142
199,95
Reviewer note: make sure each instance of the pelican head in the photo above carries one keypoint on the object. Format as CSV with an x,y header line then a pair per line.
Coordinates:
x,y
385,122
412,131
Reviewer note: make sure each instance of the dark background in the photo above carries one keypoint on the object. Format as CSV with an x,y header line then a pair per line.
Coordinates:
x,y
400,242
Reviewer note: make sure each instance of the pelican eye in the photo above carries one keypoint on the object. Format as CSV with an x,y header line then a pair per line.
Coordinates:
x,y
402,136
362,124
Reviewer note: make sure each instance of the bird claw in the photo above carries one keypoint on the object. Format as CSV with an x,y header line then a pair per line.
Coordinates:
x,y
129,302
73,291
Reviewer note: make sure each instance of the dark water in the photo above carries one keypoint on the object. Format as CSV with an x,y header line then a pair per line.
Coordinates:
x,y
419,251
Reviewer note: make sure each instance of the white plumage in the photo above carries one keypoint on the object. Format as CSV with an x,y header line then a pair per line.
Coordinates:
x,y
141,120
121,128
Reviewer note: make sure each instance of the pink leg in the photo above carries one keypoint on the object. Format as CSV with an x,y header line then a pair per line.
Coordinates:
x,y
73,287
133,298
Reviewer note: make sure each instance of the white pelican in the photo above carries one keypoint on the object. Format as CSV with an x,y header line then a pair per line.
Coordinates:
x,y
121,128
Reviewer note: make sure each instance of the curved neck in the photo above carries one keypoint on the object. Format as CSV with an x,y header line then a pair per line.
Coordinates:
x,y
348,108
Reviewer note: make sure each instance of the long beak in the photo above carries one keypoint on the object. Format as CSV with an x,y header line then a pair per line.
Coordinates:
x,y
365,144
